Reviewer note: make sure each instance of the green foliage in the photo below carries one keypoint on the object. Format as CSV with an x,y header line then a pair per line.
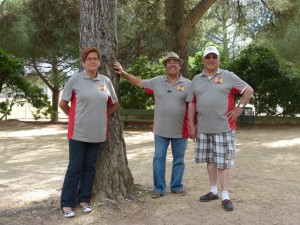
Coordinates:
x,y
144,68
289,90
13,25
141,30
284,33
46,35
195,64
9,68
13,84
54,31
40,30
134,97
263,70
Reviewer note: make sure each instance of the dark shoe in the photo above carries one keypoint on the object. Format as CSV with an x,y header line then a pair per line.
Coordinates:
x,y
156,194
180,192
208,197
227,204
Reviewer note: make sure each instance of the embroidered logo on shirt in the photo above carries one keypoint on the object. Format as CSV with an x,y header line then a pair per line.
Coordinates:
x,y
180,88
101,87
218,80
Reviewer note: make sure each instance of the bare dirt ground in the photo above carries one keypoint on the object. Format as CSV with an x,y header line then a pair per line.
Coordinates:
x,y
264,186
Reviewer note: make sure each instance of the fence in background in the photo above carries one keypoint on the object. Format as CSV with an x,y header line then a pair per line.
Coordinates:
x,y
25,113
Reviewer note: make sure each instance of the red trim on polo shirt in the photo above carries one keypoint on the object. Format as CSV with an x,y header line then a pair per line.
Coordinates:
x,y
148,91
185,127
72,116
194,100
110,101
231,105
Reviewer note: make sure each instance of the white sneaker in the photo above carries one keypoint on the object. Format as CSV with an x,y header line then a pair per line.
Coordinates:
x,y
86,209
69,214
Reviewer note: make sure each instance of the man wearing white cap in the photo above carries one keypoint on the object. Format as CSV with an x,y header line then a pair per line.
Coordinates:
x,y
170,121
211,99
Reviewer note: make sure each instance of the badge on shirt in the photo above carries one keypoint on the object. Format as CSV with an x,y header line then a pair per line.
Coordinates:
x,y
180,88
101,87
218,80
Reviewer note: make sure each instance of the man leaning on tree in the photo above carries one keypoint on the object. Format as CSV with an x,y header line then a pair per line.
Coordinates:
x,y
170,121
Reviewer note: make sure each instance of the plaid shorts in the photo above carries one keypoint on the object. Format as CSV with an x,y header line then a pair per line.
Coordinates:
x,y
217,148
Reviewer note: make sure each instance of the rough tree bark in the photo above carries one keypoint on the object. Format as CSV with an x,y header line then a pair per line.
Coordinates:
x,y
55,88
114,181
180,25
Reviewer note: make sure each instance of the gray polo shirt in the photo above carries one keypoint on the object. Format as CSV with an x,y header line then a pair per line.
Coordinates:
x,y
214,98
88,111
170,113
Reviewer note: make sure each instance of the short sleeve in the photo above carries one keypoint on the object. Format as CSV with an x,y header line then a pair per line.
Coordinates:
x,y
68,89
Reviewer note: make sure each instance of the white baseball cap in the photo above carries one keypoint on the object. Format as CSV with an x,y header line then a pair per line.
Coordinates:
x,y
211,49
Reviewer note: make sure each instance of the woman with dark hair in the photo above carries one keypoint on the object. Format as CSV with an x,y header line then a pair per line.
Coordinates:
x,y
92,99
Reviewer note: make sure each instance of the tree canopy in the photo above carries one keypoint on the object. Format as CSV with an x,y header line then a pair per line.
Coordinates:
x,y
46,35
283,34
275,81
15,87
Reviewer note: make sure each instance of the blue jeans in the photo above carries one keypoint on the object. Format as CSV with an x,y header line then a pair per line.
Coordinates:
x,y
80,174
178,146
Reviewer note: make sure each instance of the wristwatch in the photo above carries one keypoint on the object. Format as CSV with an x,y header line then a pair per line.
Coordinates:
x,y
241,105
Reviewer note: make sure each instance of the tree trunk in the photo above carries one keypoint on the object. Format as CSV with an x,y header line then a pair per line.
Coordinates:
x,y
179,26
174,11
55,99
114,181
55,91
225,16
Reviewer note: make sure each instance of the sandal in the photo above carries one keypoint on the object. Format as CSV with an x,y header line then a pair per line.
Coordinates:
x,y
68,214
86,209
